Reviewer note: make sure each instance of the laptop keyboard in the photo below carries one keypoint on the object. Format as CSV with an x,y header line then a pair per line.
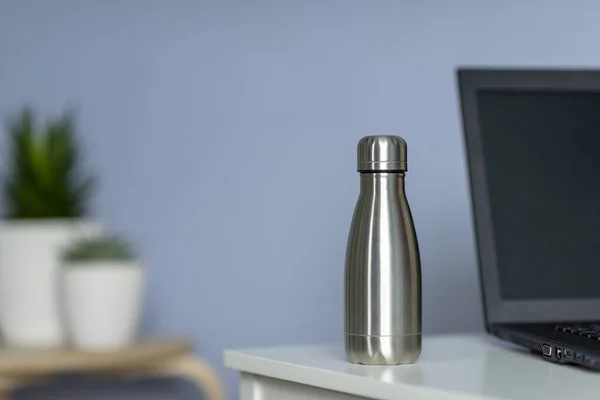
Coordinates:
x,y
591,331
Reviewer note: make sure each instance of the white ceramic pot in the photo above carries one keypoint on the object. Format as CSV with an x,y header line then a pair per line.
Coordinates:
x,y
102,303
30,305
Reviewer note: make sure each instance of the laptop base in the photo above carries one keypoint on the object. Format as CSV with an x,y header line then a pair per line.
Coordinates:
x,y
553,342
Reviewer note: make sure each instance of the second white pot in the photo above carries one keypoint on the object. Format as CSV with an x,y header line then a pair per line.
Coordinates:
x,y
102,303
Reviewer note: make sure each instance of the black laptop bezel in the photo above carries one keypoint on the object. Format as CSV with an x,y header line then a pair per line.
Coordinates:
x,y
496,309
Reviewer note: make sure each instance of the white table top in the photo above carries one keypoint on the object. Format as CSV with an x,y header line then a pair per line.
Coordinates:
x,y
450,367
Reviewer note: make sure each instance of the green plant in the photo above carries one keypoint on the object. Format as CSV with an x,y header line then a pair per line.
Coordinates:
x,y
102,248
43,174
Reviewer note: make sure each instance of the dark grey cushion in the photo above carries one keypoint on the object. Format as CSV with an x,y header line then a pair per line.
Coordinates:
x,y
113,388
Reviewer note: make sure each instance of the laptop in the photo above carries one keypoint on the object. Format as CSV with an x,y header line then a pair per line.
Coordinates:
x,y
532,140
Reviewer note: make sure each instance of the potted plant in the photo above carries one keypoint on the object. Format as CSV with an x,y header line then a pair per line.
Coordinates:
x,y
102,283
45,195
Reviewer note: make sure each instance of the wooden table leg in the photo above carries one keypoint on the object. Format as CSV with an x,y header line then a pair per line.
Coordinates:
x,y
198,372
6,387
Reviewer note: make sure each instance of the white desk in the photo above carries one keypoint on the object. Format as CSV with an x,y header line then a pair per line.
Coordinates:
x,y
451,367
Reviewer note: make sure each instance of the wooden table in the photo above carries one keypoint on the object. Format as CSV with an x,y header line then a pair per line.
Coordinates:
x,y
160,358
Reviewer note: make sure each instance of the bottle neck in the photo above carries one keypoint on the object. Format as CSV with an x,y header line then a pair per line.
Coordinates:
x,y
391,182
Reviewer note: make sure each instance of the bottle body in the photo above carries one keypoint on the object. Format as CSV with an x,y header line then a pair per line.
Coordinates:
x,y
382,275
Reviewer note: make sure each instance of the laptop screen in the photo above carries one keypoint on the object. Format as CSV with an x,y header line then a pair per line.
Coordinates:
x,y
541,151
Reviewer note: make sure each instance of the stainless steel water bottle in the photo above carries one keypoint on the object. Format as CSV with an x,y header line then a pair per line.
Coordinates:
x,y
383,268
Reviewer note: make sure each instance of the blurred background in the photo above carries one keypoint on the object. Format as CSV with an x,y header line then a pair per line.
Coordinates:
x,y
223,134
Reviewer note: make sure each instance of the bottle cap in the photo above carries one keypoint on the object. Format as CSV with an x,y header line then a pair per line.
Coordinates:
x,y
382,153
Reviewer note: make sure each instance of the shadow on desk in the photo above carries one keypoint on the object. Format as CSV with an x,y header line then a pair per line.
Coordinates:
x,y
520,373
104,388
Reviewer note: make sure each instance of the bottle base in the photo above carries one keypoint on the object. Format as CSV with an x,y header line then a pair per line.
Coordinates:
x,y
383,350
